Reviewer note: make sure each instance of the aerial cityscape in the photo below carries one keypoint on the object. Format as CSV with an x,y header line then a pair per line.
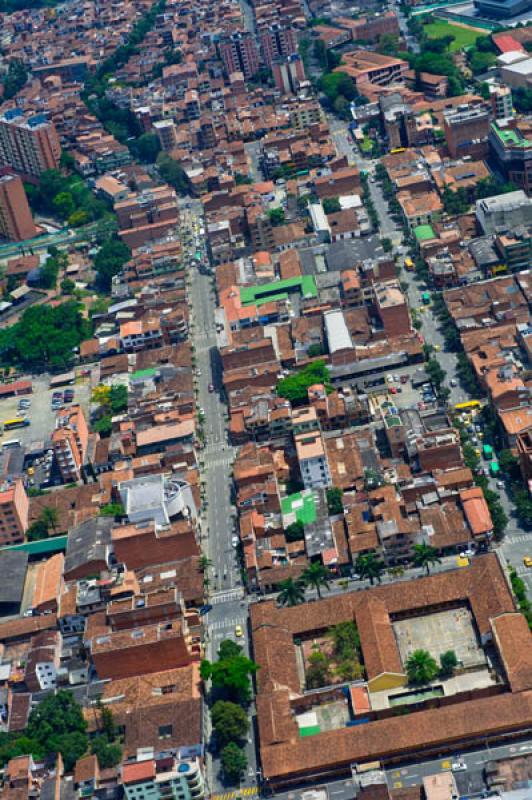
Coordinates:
x,y
266,399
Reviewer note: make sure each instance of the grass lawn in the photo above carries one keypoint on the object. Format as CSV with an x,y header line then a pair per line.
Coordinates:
x,y
463,37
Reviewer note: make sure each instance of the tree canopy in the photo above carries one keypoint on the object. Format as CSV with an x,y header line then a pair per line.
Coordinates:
x,y
44,337
109,261
294,387
230,674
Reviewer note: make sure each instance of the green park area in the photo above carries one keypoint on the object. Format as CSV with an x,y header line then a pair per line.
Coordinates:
x,y
463,37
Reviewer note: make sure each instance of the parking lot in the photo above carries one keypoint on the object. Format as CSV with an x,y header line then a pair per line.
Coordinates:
x,y
40,414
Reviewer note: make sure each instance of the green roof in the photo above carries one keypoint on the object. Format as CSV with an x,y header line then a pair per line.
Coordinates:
x,y
424,232
266,292
509,136
310,730
143,373
51,545
302,505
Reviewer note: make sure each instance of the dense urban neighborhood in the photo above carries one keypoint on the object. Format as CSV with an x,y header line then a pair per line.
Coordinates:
x,y
266,399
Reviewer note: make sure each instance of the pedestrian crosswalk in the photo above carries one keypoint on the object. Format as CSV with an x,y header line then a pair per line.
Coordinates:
x,y
246,792
226,596
221,624
518,538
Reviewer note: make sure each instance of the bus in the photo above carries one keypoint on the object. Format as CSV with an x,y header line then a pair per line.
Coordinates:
x,y
409,264
425,297
466,405
494,468
17,422
398,150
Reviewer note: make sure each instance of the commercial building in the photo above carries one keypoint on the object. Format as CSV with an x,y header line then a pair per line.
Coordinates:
x,y
239,53
504,212
14,508
502,9
16,222
28,144
69,441
466,129
513,152
277,42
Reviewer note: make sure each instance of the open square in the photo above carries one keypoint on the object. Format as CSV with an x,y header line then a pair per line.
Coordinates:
x,y
439,632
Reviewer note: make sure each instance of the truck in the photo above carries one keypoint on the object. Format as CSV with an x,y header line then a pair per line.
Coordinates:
x,y
487,452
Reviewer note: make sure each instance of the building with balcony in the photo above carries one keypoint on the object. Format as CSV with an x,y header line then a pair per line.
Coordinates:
x,y
163,778
69,442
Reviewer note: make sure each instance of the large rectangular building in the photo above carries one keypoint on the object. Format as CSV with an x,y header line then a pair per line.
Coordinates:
x,y
16,222
28,144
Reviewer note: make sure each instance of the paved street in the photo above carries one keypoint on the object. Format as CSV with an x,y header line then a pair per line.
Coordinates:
x,y
226,594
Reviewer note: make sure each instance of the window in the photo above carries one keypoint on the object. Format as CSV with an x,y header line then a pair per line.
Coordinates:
x,y
165,731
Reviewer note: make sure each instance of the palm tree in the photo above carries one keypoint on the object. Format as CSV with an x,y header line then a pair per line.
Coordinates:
x,y
425,556
370,566
204,562
421,667
49,517
316,576
291,593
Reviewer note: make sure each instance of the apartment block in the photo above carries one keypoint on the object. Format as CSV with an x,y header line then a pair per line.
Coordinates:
x,y
312,459
28,144
162,778
240,54
392,309
513,153
277,42
466,129
16,222
501,102
69,441
288,74
14,508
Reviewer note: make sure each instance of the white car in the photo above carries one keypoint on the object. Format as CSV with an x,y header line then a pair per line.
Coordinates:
x,y
453,382
458,766
235,541
500,484
467,553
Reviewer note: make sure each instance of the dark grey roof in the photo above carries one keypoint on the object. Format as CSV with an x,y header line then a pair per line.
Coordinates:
x,y
346,253
88,542
13,565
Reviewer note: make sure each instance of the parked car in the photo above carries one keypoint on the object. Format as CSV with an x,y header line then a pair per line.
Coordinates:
x,y
210,387
453,382
235,541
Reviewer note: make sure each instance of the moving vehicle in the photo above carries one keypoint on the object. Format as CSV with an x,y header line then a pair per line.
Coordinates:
x,y
453,382
409,264
238,631
425,297
210,387
494,468
458,766
235,541
16,422
527,561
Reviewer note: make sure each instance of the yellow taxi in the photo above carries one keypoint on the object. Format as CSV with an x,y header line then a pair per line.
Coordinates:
x,y
527,561
238,631
437,347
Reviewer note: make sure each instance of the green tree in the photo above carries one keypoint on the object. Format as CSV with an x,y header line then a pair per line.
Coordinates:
x,y
318,672
147,147
334,501
63,204
295,532
421,667
316,576
277,216
109,260
230,722
523,507
346,640
228,649
109,754
508,463
331,205
230,676
36,532
234,762
291,592
295,387
448,663
104,426
49,517
16,77
173,173
370,567
425,556
57,726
